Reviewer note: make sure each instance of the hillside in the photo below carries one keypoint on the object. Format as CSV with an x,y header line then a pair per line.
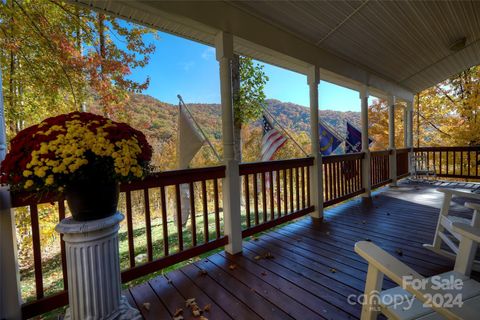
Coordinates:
x,y
159,120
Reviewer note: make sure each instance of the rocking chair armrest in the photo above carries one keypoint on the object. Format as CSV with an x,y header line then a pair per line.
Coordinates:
x,y
397,270
385,262
459,193
472,205
467,231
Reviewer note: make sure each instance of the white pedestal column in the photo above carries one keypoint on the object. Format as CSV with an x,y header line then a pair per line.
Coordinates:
x,y
93,268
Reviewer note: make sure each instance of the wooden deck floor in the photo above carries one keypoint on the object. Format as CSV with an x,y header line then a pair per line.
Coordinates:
x,y
312,269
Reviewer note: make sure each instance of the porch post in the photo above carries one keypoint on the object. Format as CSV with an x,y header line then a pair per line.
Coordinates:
x,y
231,183
367,183
10,297
409,108
316,174
405,126
391,140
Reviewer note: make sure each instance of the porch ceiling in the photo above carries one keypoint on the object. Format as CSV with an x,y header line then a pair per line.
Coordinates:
x,y
408,41
398,47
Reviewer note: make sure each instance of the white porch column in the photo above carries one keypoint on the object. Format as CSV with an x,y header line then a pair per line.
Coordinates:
x,y
316,174
367,183
409,109
10,297
231,183
405,126
391,140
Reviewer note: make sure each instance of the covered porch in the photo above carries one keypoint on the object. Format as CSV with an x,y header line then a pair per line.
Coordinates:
x,y
306,269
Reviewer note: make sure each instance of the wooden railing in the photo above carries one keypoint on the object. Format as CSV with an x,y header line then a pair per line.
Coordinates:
x,y
402,163
380,168
452,162
170,245
342,177
274,192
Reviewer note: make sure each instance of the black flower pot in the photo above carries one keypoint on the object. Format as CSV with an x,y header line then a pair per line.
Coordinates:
x,y
89,200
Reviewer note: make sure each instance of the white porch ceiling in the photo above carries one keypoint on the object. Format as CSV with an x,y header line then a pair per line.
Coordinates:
x,y
397,47
407,41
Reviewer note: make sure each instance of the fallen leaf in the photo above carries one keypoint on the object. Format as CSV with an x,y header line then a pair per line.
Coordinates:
x,y
146,306
363,221
202,318
333,270
263,273
178,318
257,257
203,272
269,256
178,312
196,312
189,302
232,266
399,252
207,308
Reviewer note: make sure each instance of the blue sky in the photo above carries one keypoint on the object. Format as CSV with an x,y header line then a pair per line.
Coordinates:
x,y
181,66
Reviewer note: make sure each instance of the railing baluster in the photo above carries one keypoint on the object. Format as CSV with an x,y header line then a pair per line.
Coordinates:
x,y
279,204
205,211
163,201
440,166
37,252
179,217
193,213
264,197
325,181
303,186
131,246
255,198
61,216
216,206
469,162
308,187
148,224
285,193
297,188
272,201
290,178
247,199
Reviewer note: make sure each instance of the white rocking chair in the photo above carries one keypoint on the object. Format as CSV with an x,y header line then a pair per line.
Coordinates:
x,y
444,232
410,297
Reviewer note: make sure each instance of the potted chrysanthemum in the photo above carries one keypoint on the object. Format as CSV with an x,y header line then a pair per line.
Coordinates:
x,y
83,155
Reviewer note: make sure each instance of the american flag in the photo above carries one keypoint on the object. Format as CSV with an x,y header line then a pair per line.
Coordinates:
x,y
272,140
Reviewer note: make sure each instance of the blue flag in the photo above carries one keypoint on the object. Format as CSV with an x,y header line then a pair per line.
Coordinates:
x,y
353,142
328,141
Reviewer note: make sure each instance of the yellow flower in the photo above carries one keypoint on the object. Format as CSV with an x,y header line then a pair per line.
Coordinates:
x,y
49,180
28,184
27,173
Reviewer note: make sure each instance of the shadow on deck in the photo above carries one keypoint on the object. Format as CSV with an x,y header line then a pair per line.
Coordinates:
x,y
305,270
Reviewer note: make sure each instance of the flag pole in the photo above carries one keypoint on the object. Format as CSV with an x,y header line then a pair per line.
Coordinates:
x,y
199,127
285,131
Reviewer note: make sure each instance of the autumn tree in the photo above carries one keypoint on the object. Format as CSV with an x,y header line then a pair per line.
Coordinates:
x,y
57,56
249,81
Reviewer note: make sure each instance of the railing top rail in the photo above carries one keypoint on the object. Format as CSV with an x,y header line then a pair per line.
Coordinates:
x,y
343,157
432,149
155,180
259,167
403,150
381,153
